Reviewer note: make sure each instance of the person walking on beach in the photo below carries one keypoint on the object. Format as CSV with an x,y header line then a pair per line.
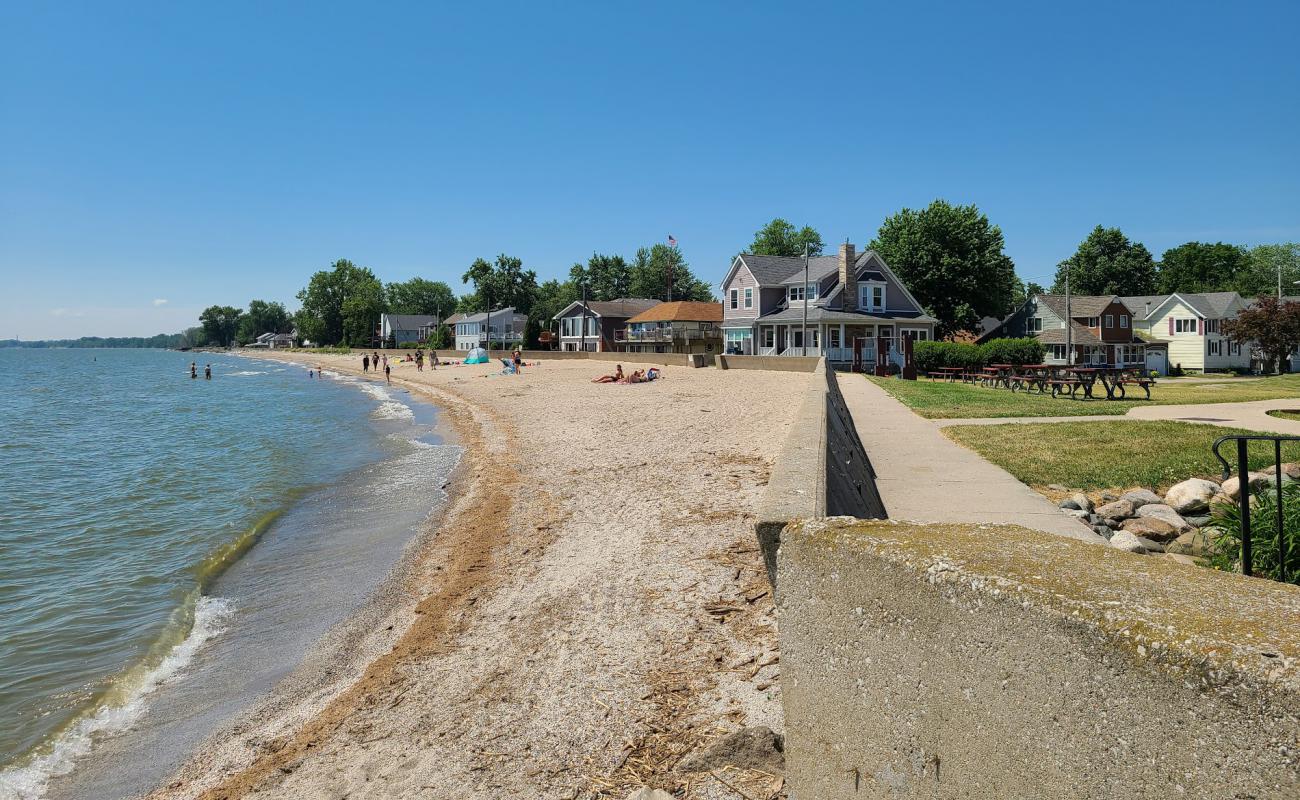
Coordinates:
x,y
518,358
365,363
419,361
194,370
433,359
388,374
207,372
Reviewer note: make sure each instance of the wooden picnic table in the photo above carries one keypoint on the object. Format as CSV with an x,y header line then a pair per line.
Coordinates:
x,y
947,373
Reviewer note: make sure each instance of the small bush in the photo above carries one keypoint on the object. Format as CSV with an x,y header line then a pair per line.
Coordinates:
x,y
930,356
1012,351
1265,556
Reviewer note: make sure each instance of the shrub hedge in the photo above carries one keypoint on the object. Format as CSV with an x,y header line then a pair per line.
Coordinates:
x,y
931,356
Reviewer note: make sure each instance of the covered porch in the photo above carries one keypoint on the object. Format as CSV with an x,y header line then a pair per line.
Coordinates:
x,y
833,340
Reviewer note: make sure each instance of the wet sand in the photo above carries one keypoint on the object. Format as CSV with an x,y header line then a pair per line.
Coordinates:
x,y
591,608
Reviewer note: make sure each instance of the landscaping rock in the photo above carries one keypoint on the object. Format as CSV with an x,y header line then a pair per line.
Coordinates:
x,y
1118,509
748,748
1151,528
1292,470
1056,487
1069,504
1109,497
1151,546
1123,540
1181,559
1232,486
1077,513
1198,521
1141,497
1082,501
1163,512
1103,531
1191,496
1192,543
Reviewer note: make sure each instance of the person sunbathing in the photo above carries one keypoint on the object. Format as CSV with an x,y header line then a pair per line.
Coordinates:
x,y
637,377
615,378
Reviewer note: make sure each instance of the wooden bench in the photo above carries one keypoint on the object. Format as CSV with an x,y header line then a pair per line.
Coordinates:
x,y
1145,383
1061,385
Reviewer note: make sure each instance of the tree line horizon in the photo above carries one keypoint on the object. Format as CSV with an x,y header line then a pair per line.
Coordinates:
x,y
951,257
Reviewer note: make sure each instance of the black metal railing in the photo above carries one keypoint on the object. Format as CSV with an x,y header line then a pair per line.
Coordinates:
x,y
1244,493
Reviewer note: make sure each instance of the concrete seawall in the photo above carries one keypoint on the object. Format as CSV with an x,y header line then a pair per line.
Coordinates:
x,y
774,363
949,661
822,469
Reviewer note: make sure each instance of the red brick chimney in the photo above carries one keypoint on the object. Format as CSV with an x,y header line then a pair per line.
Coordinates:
x,y
848,278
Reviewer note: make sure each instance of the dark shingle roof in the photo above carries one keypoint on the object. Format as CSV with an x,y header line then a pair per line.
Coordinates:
x,y
622,308
1081,305
771,270
410,322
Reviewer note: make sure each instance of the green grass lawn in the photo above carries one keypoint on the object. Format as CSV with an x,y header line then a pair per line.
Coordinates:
x,y
1295,415
943,400
1108,455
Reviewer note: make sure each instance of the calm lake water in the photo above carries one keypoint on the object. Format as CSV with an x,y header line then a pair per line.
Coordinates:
x,y
170,548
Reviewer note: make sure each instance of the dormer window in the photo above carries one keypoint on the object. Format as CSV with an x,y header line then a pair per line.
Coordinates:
x,y
798,293
871,296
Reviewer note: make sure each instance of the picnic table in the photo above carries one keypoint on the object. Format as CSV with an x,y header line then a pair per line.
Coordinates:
x,y
1028,377
1113,379
946,373
995,374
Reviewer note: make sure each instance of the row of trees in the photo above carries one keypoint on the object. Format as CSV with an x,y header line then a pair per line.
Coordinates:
x,y
1108,262
341,305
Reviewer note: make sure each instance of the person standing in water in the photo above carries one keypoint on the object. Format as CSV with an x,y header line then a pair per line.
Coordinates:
x,y
207,372
194,370
365,363
388,374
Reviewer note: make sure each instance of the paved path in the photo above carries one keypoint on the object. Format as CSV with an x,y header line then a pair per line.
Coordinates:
x,y
926,477
1250,415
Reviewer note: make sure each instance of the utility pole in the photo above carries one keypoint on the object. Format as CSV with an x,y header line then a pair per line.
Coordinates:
x,y
583,346
1069,320
671,252
488,298
803,337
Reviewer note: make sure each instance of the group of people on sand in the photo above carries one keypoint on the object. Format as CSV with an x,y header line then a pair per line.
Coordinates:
x,y
374,361
194,371
637,376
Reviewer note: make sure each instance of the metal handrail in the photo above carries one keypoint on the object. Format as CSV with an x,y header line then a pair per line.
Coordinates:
x,y
1243,493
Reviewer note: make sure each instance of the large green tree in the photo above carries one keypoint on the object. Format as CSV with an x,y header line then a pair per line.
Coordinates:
x,y
503,283
1108,263
1200,267
650,272
263,317
1260,274
951,259
420,296
606,277
341,305
781,238
220,324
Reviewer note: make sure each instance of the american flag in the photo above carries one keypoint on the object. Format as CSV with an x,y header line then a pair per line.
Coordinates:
x,y
671,241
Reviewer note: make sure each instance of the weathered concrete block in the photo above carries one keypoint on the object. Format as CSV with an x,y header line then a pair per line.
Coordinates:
x,y
942,661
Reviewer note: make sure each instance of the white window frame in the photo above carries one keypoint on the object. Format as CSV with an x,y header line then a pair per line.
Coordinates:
x,y
1123,320
1034,325
1187,323
1094,322
796,293
866,295
1110,320
749,297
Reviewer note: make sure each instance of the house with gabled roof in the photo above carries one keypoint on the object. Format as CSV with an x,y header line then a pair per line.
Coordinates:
x,y
1101,331
841,303
599,326
680,326
1191,326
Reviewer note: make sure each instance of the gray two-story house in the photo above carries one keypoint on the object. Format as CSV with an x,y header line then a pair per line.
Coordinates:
x,y
599,326
848,300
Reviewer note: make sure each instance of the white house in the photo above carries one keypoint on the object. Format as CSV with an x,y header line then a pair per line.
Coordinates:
x,y
503,326
1192,327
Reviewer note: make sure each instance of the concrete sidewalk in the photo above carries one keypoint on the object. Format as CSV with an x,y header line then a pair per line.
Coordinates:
x,y
925,477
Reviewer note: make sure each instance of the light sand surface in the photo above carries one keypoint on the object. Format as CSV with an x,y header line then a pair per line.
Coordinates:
x,y
592,608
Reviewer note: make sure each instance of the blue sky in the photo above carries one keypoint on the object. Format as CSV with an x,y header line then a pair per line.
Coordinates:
x,y
213,153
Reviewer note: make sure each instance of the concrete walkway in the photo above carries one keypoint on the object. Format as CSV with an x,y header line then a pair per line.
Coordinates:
x,y
1252,415
925,477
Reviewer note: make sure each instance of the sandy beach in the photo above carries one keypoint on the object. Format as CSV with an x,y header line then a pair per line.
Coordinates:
x,y
590,608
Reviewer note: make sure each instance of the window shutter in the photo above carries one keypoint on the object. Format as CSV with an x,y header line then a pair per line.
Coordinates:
x,y
1171,326
1201,326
